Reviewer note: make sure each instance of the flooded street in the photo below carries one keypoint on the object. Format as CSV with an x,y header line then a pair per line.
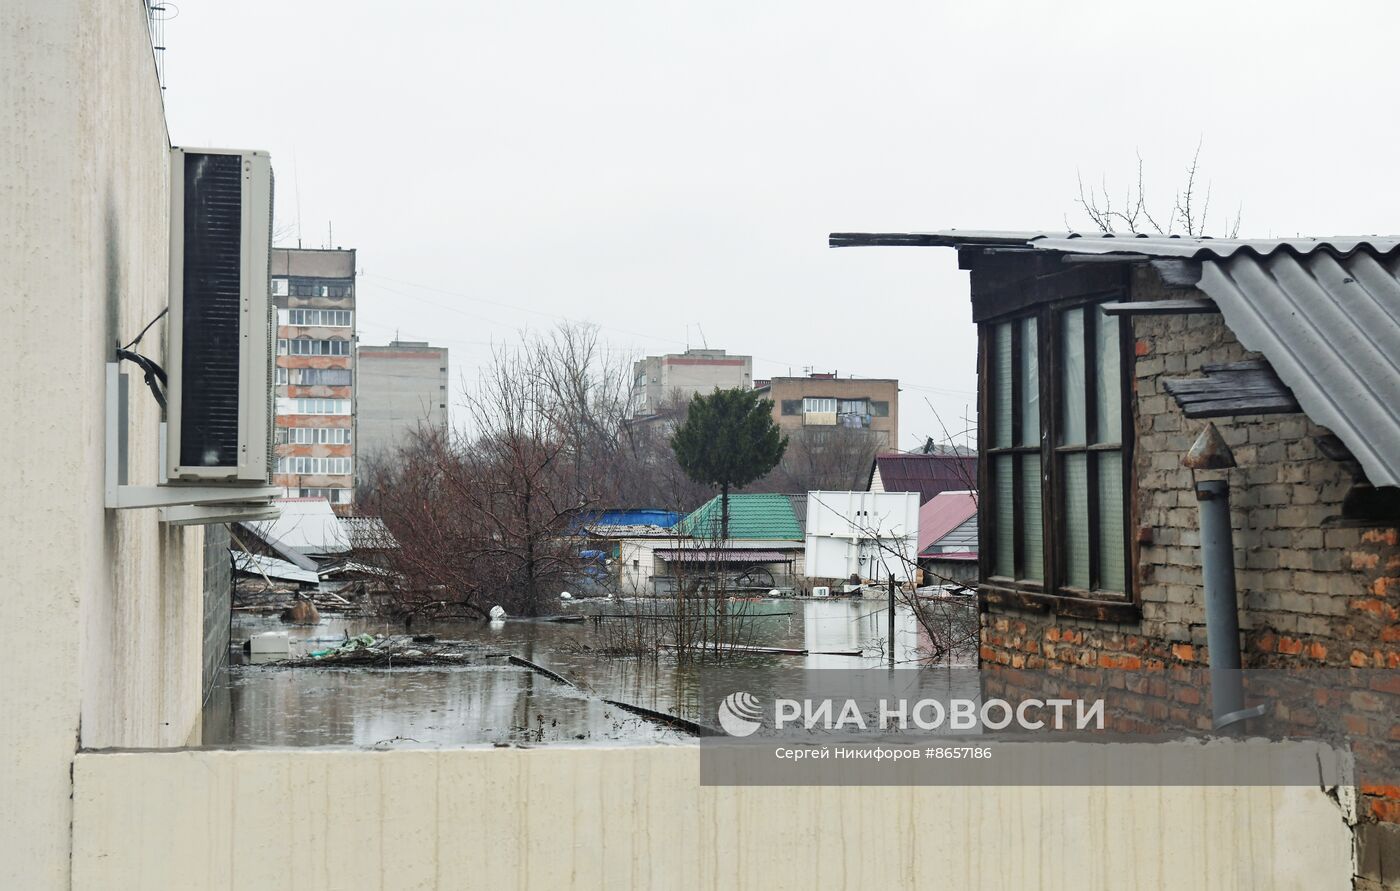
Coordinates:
x,y
492,701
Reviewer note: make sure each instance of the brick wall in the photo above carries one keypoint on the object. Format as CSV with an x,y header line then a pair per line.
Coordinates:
x,y
1313,590
218,603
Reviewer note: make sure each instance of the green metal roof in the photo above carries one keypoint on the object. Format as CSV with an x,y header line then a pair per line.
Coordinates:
x,y
750,517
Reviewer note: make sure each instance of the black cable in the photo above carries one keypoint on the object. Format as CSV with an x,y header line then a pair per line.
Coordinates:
x,y
155,376
158,317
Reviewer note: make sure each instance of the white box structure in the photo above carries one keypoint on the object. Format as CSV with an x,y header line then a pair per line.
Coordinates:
x,y
873,535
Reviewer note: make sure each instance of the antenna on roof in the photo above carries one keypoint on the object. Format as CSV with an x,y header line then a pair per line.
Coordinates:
x,y
703,341
296,187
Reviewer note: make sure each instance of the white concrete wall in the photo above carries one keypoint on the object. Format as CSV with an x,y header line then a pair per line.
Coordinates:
x,y
100,611
642,550
621,818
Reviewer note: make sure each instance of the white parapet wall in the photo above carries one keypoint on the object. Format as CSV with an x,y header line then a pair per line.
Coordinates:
x,y
620,818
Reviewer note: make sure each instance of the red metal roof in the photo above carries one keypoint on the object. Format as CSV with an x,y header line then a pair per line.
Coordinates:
x,y
942,514
926,474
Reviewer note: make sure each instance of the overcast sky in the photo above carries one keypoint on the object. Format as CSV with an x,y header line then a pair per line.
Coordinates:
x,y
662,169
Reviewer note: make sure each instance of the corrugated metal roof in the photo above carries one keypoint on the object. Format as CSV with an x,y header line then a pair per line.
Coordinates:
x,y
758,516
634,517
258,565
723,555
799,509
308,525
926,474
943,513
1330,327
1102,243
1325,312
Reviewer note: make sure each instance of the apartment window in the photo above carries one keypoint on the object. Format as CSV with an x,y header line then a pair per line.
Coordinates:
x,y
281,347
320,377
853,412
279,287
792,406
334,496
312,287
324,318
313,435
281,378
1055,452
307,465
305,346
307,406
818,404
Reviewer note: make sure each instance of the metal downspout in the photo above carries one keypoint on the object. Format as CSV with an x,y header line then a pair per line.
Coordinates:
x,y
1210,452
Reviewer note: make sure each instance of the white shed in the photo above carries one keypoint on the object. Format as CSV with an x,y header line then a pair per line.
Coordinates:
x,y
873,535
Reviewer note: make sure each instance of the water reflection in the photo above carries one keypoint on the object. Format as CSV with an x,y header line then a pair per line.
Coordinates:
x,y
492,701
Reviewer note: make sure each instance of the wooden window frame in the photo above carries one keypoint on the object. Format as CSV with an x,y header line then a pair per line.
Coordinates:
x,y
1052,592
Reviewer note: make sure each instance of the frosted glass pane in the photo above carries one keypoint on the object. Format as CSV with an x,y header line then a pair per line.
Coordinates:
x,y
1077,520
1005,555
1108,379
1030,384
1112,575
1032,533
1072,376
1001,395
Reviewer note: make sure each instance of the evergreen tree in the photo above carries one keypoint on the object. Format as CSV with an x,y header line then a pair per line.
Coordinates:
x,y
728,440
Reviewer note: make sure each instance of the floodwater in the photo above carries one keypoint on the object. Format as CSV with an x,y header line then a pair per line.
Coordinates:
x,y
492,701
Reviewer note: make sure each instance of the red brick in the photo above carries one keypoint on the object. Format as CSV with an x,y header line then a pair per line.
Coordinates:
x,y
1290,645
1356,725
1363,560
1109,660
1382,536
1380,791
1385,810
1184,651
1386,683
1359,659
1143,347
1188,695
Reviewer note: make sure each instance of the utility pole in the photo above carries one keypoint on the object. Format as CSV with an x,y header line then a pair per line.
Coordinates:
x,y
891,637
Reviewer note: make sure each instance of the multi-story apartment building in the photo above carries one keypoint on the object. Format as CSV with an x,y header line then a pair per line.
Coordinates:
x,y
827,402
314,291
401,388
677,377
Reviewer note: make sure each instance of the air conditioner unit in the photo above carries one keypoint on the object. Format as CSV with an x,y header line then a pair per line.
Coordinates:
x,y
221,325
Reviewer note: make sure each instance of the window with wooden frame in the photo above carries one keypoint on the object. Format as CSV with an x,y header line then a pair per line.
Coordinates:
x,y
1057,451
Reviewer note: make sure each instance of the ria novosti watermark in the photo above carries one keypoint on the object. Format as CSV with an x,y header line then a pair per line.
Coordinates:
x,y
740,714
971,726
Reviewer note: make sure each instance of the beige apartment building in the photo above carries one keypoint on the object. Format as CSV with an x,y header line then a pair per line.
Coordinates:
x,y
678,377
823,401
314,291
402,389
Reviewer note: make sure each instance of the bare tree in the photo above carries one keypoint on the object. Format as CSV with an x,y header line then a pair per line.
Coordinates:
x,y
835,459
1190,212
